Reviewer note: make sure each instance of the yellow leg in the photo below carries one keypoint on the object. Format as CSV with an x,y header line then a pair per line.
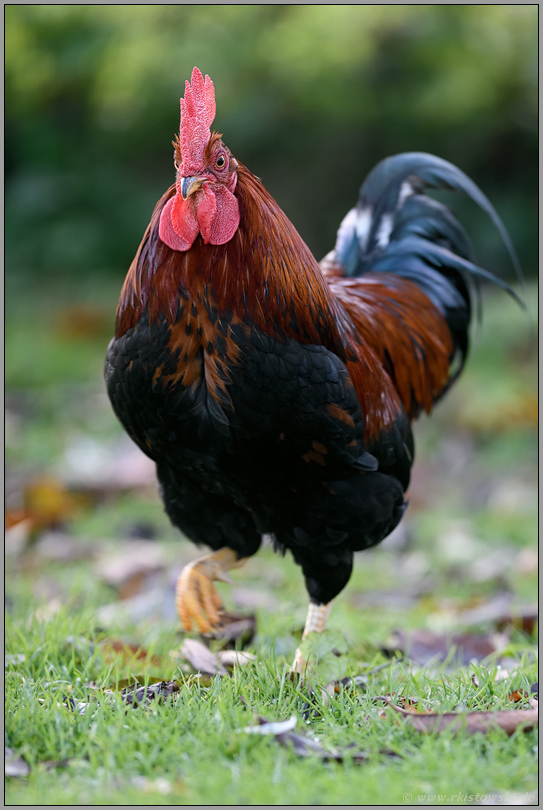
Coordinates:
x,y
317,616
195,594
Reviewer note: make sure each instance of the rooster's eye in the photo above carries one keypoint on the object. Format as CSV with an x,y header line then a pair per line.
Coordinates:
x,y
221,160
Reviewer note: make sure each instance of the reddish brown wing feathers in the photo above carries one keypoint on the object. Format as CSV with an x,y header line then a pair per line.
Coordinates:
x,y
407,333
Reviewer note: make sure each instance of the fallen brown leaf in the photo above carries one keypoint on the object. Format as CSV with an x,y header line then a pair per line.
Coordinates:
x,y
283,732
412,705
500,614
423,646
134,695
518,695
468,722
200,658
234,658
143,695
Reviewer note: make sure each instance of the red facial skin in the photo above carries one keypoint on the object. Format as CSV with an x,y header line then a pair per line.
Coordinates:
x,y
204,204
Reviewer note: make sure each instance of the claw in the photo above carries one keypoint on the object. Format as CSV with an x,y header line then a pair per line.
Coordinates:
x,y
196,597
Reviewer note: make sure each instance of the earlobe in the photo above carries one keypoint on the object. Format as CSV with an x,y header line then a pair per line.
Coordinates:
x,y
232,182
205,212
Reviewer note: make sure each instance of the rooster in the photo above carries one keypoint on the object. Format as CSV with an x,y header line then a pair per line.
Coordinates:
x,y
274,393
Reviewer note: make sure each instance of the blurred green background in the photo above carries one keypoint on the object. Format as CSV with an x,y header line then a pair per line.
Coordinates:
x,y
308,97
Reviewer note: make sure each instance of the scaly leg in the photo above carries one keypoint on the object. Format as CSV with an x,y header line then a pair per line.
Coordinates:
x,y
195,594
317,616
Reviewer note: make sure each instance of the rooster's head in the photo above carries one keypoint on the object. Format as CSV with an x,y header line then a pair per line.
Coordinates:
x,y
206,175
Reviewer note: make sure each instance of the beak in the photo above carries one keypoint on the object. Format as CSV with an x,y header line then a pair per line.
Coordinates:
x,y
191,184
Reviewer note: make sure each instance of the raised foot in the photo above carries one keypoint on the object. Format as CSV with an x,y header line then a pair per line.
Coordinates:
x,y
197,599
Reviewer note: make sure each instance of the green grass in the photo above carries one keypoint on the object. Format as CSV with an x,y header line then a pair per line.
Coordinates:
x,y
196,746
475,473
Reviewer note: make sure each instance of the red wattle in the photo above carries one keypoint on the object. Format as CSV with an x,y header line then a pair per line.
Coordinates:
x,y
216,218
178,226
226,221
206,208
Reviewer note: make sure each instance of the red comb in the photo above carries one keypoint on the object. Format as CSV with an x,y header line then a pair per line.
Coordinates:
x,y
197,114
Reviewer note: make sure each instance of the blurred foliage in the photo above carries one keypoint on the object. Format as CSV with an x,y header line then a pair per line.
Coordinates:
x,y
309,97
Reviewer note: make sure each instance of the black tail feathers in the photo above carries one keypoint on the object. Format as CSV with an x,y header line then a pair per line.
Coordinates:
x,y
395,228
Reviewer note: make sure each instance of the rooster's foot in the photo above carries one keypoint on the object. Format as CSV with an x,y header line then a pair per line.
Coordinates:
x,y
196,597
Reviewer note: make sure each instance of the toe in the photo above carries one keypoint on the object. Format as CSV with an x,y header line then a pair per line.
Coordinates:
x,y
195,597
209,597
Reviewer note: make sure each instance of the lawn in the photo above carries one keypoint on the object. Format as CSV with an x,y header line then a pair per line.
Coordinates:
x,y
439,618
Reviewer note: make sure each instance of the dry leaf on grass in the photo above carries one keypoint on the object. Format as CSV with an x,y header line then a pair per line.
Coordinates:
x,y
234,658
517,696
423,646
134,695
468,722
500,614
267,727
200,658
283,732
160,691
